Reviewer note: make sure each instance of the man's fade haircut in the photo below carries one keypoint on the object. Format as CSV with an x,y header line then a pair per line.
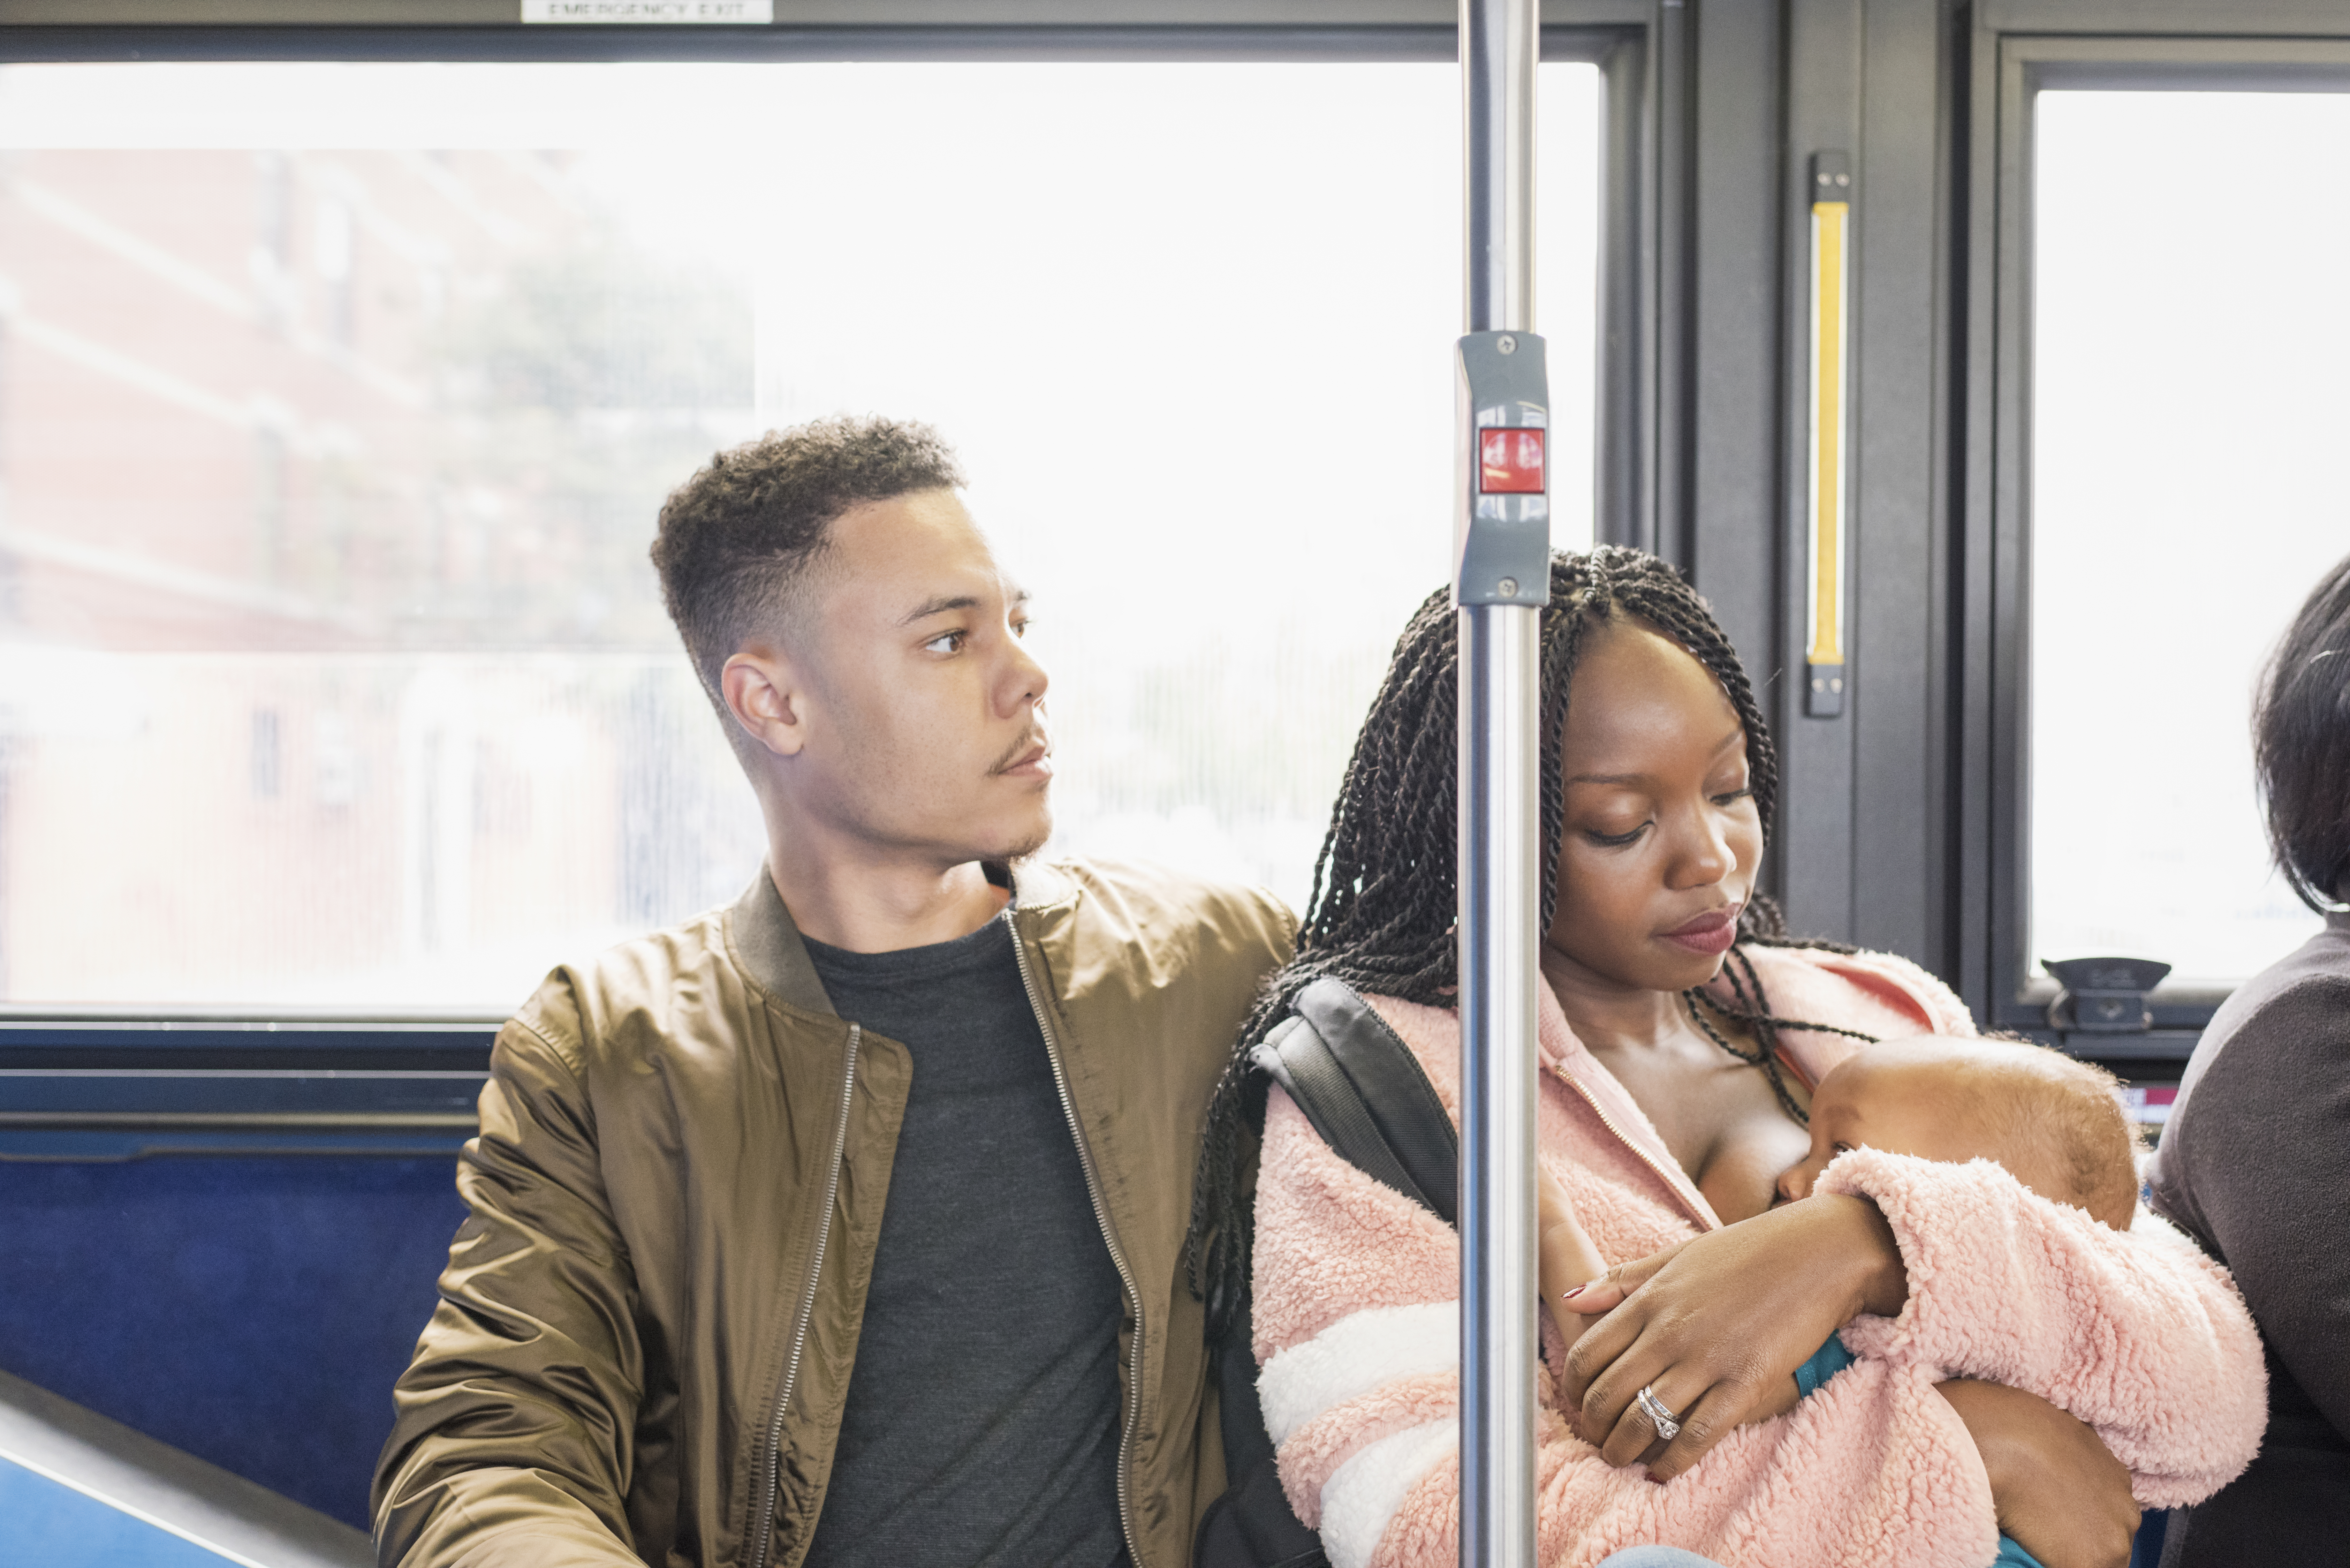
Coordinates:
x,y
736,541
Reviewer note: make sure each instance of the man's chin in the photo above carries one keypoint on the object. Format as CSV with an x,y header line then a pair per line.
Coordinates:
x,y
1023,845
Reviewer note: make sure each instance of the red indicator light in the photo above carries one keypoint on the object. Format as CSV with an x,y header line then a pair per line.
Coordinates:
x,y
1509,463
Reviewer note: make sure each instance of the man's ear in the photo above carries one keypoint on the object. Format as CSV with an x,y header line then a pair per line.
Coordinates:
x,y
768,699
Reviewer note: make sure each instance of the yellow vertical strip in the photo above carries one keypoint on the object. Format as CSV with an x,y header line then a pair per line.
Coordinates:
x,y
1827,430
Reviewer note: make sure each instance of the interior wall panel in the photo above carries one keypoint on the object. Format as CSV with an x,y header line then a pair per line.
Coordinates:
x,y
1734,403
1898,834
1824,48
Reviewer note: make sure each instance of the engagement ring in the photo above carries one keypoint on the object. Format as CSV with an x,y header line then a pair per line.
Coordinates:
x,y
1667,1425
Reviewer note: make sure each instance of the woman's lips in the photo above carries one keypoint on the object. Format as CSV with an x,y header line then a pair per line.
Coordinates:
x,y
1711,934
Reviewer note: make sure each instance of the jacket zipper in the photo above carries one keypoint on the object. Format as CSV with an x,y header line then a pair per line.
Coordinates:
x,y
1101,1218
1564,1076
770,1492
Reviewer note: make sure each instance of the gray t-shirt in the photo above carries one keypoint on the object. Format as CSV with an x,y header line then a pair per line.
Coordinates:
x,y
981,1424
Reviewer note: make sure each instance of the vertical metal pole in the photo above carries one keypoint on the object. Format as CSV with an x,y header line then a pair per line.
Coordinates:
x,y
1501,841
1500,43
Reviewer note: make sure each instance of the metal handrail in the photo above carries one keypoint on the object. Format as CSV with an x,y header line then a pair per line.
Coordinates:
x,y
1502,580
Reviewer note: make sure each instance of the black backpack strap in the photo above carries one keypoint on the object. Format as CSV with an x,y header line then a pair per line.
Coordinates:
x,y
1366,1094
1394,1089
1297,1058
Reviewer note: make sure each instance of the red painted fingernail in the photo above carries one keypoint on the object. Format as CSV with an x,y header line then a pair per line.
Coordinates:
x,y
1654,1480
1570,1296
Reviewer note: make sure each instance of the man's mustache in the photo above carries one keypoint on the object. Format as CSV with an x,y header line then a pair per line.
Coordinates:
x,y
1020,749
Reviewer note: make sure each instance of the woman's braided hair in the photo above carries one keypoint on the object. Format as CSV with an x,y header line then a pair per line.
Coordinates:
x,y
1382,910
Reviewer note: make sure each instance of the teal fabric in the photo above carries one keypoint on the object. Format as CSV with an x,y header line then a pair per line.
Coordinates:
x,y
1832,1358
1826,1361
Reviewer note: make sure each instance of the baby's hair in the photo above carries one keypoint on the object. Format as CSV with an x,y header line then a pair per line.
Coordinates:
x,y
2094,1146
2058,1118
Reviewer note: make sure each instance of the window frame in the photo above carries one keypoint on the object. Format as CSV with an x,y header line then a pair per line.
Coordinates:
x,y
107,1084
2022,47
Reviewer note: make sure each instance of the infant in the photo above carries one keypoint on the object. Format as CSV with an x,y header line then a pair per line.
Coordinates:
x,y
2053,1123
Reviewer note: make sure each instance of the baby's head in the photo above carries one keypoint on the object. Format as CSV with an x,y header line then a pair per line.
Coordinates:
x,y
2054,1123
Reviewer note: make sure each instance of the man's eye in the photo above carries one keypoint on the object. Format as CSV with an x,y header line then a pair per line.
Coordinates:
x,y
946,642
1615,840
1019,628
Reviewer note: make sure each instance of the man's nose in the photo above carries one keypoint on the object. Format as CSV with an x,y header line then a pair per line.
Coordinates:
x,y
1025,681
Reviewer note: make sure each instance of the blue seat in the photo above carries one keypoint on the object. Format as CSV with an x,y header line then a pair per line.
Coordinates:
x,y
253,1312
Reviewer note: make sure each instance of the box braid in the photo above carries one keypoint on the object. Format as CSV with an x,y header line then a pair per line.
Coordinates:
x,y
1381,913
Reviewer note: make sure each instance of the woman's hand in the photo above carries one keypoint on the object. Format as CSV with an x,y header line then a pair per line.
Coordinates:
x,y
1718,1325
2059,1490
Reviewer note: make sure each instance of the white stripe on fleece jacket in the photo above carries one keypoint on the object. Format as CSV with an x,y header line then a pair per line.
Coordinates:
x,y
1356,1329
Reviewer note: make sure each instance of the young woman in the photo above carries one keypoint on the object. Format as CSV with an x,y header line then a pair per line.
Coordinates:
x,y
2024,1367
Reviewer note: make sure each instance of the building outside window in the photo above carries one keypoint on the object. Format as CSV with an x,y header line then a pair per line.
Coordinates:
x,y
340,399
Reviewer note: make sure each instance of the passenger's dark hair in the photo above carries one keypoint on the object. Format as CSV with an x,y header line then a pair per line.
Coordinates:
x,y
2300,744
736,539
1381,913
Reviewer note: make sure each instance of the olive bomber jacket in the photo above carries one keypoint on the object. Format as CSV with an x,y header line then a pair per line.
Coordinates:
x,y
647,1324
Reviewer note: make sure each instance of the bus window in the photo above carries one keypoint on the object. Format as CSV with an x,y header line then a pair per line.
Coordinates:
x,y
2187,488
340,398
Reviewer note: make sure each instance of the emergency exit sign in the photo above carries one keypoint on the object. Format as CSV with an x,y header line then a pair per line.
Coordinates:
x,y
650,13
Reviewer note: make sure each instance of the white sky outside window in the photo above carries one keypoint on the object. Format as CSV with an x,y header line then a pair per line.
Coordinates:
x,y
2190,483
332,670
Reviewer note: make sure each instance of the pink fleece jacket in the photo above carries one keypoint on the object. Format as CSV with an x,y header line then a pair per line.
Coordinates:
x,y
1356,1329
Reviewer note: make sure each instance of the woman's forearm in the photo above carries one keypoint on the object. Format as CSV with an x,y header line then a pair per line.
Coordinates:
x,y
1565,1260
2059,1492
2132,1332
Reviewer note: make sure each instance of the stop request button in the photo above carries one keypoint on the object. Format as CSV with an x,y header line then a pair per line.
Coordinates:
x,y
1509,463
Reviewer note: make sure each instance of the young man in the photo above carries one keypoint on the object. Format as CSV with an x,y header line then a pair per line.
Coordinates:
x,y
844,1225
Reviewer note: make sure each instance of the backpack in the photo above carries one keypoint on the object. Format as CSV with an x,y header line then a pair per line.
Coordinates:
x,y
1366,1094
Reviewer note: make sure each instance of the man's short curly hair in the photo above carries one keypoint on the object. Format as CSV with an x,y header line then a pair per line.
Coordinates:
x,y
736,541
